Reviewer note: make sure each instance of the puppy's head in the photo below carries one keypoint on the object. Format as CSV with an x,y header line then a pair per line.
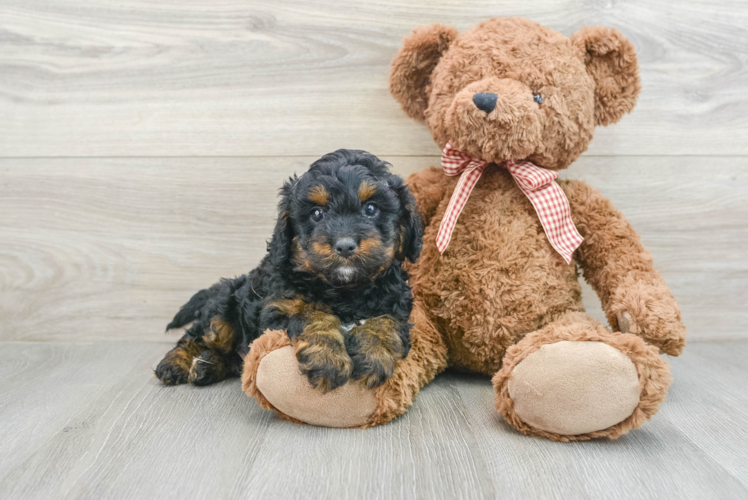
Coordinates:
x,y
346,220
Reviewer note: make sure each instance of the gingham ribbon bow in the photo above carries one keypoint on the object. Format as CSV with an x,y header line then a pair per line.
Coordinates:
x,y
537,183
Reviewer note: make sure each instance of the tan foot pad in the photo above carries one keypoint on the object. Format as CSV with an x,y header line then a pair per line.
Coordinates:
x,y
281,382
574,388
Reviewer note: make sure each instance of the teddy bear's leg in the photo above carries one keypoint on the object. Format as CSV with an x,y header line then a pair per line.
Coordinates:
x,y
574,380
427,357
271,376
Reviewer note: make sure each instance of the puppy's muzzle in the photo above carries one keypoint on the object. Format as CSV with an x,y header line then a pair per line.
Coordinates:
x,y
345,247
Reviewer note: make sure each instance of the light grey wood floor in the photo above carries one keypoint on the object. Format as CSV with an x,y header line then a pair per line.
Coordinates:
x,y
141,146
88,420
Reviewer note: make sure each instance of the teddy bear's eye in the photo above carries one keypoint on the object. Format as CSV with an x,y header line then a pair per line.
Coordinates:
x,y
537,98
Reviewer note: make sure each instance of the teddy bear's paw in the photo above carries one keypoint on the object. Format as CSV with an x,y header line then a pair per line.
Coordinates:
x,y
374,348
571,390
626,323
649,311
667,333
282,385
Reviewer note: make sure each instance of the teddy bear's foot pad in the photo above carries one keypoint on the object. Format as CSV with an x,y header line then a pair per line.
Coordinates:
x,y
283,385
572,388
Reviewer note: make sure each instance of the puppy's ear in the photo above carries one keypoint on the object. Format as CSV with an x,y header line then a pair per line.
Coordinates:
x,y
611,61
279,247
410,239
410,75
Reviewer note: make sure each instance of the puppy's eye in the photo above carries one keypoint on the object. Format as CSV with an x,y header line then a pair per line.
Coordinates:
x,y
317,214
537,98
370,210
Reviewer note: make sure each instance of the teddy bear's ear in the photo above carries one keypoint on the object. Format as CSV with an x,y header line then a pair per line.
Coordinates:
x,y
411,69
611,61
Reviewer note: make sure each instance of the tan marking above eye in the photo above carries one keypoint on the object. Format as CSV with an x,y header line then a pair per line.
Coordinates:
x,y
319,195
366,190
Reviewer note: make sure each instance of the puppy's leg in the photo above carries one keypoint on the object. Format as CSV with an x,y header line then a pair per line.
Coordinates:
x,y
319,337
320,349
174,369
202,358
375,347
271,375
218,360
210,367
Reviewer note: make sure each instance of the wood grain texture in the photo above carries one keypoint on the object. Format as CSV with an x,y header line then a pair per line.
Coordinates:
x,y
231,77
691,215
141,148
693,448
95,249
715,419
90,421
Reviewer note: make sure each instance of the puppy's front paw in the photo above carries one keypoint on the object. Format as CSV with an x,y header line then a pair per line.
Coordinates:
x,y
327,367
321,353
375,347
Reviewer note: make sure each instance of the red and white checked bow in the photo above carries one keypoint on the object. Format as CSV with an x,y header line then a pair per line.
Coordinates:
x,y
537,183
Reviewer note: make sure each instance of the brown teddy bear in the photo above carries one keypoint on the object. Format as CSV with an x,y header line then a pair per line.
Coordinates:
x,y
496,287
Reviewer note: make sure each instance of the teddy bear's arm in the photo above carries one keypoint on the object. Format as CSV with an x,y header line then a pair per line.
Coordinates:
x,y
614,262
428,187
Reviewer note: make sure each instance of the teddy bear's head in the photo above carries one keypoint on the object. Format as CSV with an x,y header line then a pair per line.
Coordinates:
x,y
510,88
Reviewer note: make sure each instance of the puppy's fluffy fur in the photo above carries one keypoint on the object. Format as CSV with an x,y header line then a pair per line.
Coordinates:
x,y
332,278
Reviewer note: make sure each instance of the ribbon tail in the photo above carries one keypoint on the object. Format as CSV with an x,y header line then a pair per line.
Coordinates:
x,y
554,212
569,244
464,187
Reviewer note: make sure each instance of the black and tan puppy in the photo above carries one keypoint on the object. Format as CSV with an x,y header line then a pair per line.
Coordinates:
x,y
332,278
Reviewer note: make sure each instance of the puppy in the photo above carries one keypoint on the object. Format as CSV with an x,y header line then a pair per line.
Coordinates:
x,y
332,278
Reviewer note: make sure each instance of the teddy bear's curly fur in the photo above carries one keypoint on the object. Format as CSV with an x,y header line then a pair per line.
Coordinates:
x,y
500,300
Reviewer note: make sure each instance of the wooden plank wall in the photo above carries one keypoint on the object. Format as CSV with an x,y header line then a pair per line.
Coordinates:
x,y
142,143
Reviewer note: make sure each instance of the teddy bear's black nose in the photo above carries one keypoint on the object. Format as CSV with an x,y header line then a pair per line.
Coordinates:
x,y
485,101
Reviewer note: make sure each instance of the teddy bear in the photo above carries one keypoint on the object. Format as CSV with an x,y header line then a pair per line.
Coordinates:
x,y
512,102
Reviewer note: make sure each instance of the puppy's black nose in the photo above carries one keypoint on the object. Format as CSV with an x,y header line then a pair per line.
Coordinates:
x,y
485,101
345,247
